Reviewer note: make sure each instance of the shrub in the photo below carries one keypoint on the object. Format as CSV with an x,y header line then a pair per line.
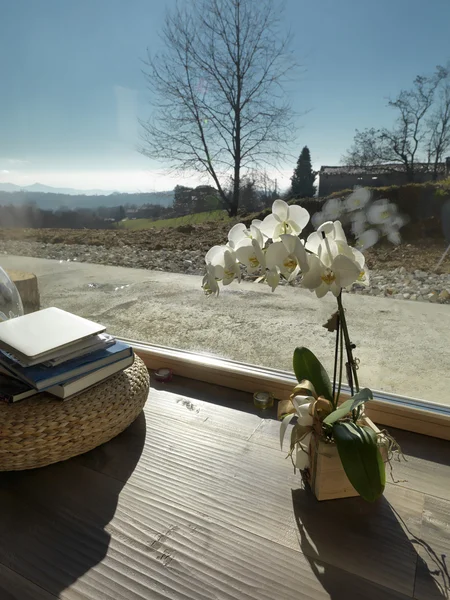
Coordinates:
x,y
420,202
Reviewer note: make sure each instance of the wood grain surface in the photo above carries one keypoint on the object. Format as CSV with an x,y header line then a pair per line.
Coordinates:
x,y
196,501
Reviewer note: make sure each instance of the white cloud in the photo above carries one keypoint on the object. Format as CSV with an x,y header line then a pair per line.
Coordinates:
x,y
116,180
4,171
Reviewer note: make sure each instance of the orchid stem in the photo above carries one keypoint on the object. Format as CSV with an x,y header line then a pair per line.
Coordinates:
x,y
341,364
352,374
336,356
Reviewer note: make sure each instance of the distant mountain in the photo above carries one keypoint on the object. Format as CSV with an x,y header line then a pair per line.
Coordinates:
x,y
9,187
49,198
48,189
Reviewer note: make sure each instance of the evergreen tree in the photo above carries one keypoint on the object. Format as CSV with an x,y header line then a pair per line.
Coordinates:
x,y
303,178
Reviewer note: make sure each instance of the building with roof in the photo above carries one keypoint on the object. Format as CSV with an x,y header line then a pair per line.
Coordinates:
x,y
334,179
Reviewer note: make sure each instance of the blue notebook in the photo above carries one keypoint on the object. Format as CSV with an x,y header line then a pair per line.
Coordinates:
x,y
41,377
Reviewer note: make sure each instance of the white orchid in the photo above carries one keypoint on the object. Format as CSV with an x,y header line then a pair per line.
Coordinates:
x,y
286,257
364,276
341,272
392,233
273,278
359,221
240,235
248,245
328,241
358,199
326,262
224,259
385,214
332,209
381,212
250,254
318,218
209,282
367,239
284,219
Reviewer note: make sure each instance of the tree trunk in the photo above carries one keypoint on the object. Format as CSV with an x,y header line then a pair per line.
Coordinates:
x,y
435,169
410,175
237,116
236,186
232,210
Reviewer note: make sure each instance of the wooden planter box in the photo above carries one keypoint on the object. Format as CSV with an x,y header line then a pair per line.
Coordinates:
x,y
327,477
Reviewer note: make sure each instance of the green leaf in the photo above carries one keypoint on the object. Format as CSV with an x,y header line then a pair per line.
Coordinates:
x,y
361,459
308,366
346,407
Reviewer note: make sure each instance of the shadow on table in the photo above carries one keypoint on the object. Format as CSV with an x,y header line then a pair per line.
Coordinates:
x,y
422,446
350,543
53,519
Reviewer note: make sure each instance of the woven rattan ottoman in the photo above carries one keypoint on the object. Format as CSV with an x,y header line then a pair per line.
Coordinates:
x,y
43,430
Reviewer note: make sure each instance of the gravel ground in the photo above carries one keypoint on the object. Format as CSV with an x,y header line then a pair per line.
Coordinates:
x,y
398,283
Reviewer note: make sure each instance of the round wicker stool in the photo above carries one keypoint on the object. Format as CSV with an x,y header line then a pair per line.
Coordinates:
x,y
43,430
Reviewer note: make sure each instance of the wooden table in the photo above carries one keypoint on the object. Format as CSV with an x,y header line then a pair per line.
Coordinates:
x,y
196,500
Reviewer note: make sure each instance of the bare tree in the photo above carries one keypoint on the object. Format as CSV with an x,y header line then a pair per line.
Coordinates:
x,y
439,128
217,92
411,132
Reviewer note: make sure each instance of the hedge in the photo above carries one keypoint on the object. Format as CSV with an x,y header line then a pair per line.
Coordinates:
x,y
421,202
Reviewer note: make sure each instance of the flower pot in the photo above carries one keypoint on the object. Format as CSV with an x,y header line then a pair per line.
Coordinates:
x,y
326,476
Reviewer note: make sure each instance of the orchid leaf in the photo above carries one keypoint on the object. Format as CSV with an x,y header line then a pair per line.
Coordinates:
x,y
346,407
361,459
308,366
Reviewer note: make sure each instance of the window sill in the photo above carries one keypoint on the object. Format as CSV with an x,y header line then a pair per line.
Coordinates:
x,y
390,410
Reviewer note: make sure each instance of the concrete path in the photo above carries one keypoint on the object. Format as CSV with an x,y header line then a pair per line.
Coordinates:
x,y
403,346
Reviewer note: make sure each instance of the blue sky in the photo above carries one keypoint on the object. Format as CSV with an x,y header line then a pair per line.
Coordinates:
x,y
72,87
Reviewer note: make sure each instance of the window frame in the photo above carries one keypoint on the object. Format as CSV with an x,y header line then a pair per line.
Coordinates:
x,y
390,410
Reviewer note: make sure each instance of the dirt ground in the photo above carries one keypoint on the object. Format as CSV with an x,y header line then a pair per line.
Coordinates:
x,y
421,249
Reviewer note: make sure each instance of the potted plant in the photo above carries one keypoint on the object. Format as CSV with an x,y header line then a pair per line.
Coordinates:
x,y
332,441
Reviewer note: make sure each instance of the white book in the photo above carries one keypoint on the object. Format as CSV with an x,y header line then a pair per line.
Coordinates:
x,y
75,386
41,335
97,342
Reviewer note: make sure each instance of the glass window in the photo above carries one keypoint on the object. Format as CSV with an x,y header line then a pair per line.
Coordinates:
x,y
119,153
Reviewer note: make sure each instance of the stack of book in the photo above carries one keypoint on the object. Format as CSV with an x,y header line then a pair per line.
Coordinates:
x,y
57,352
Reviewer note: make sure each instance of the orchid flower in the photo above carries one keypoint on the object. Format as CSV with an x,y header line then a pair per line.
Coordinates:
x,y
284,219
240,235
392,234
358,220
381,212
384,214
287,257
367,239
332,209
333,265
250,254
209,282
341,272
318,218
224,259
336,241
326,261
358,199
363,277
273,277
